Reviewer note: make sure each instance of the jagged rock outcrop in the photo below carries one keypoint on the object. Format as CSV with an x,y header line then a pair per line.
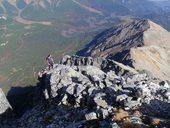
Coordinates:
x,y
141,44
80,92
103,64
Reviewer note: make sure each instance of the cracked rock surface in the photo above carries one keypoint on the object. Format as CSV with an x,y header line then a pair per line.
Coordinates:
x,y
83,92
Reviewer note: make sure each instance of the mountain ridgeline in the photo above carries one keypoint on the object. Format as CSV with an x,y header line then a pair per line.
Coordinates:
x,y
141,44
60,27
97,91
45,6
59,10
90,92
121,79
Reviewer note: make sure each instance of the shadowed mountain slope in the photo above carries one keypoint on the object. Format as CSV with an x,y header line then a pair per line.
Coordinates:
x,y
141,43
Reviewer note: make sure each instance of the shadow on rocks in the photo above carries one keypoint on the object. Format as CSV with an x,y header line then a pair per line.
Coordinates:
x,y
21,99
156,113
8,114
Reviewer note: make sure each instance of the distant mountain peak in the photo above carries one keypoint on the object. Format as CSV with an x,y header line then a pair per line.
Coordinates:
x,y
156,34
140,43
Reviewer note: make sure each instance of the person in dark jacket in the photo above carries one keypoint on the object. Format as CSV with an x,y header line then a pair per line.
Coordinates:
x,y
50,61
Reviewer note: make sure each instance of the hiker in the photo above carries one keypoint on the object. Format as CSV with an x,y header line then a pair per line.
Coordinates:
x,y
50,61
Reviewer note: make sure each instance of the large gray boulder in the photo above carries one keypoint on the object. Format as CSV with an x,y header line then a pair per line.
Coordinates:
x,y
4,104
5,110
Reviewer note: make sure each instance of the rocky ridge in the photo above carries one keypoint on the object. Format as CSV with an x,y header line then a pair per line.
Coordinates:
x,y
141,44
83,92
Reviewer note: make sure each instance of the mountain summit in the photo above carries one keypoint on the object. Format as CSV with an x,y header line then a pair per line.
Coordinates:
x,y
154,56
86,92
97,91
141,44
40,27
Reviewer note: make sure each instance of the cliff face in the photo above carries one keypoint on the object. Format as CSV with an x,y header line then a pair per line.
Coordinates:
x,y
140,44
95,92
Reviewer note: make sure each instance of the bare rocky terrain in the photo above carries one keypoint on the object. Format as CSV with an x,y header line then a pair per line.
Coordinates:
x,y
121,79
123,83
141,44
86,92
40,27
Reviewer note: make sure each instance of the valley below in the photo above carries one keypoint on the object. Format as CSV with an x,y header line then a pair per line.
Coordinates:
x,y
30,30
111,64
